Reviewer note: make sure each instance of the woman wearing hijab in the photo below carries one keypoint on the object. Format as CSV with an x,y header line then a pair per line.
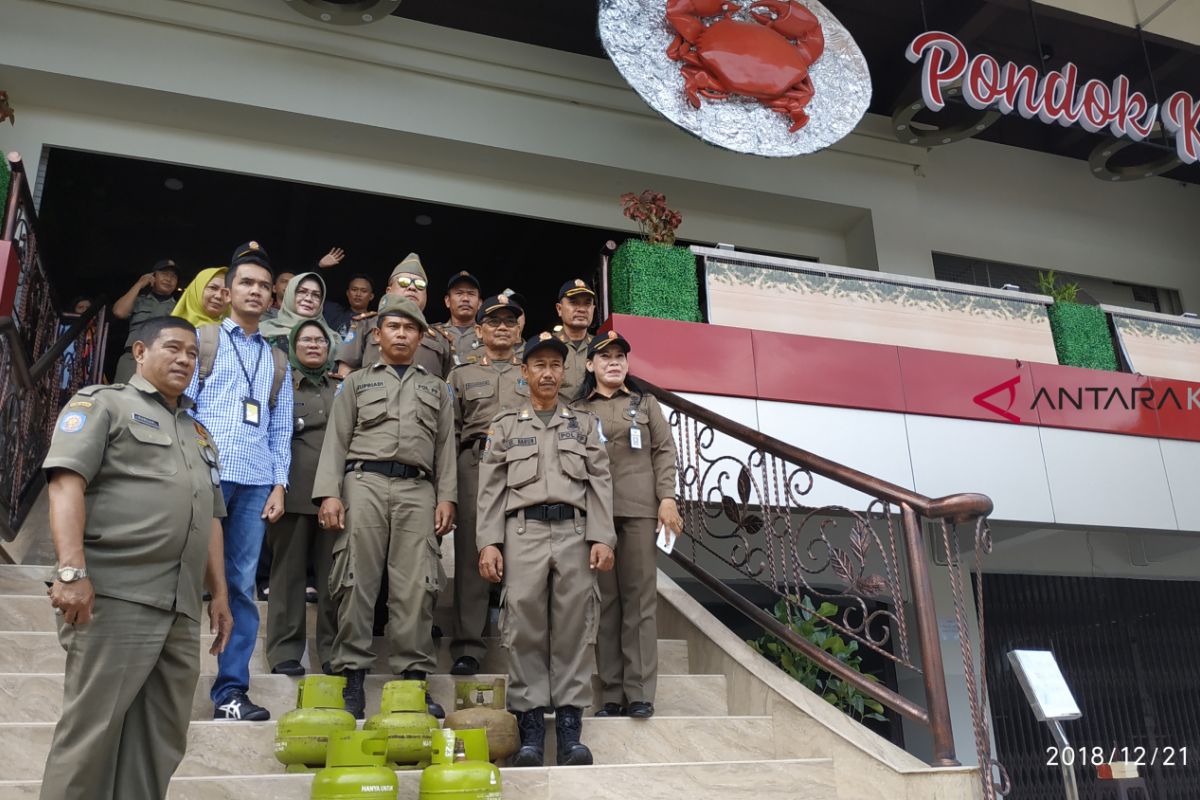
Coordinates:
x,y
295,540
302,301
203,301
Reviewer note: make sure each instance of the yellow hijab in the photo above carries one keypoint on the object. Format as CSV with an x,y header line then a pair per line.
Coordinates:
x,y
191,303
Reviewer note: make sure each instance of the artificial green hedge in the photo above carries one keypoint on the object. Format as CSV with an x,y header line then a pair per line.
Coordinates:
x,y
655,280
1081,336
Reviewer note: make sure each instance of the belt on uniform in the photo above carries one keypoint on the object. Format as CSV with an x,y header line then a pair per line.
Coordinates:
x,y
392,469
472,444
553,512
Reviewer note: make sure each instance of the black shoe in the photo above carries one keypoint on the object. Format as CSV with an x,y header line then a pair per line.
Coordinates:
x,y
434,709
436,632
640,709
532,725
568,726
465,665
327,668
263,592
238,708
610,710
353,695
310,595
291,668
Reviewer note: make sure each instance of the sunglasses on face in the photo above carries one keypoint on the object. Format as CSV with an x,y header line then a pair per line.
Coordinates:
x,y
404,283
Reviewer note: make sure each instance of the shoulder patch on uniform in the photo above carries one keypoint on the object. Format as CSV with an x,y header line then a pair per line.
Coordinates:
x,y
144,420
600,431
339,388
80,404
72,422
450,390
349,337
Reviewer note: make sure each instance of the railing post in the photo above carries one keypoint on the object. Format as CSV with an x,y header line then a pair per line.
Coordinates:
x,y
936,699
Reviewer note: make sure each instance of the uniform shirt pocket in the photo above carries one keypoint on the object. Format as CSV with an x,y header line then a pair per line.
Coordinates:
x,y
572,453
522,464
154,455
428,409
372,409
478,391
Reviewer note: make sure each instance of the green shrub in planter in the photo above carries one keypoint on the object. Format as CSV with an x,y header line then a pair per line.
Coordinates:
x,y
655,280
1081,336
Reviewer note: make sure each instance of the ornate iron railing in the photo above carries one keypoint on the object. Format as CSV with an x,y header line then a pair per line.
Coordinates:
x,y
749,510
45,356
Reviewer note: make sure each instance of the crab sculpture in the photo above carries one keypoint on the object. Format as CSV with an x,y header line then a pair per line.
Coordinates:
x,y
767,59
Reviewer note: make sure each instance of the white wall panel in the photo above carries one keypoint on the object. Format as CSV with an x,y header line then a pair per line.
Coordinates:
x,y
873,442
1107,480
1182,461
1001,461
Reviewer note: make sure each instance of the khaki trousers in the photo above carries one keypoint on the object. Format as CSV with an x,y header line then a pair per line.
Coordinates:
x,y
130,676
293,540
627,642
389,535
471,591
549,614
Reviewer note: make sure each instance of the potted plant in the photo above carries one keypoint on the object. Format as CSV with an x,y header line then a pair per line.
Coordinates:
x,y
651,277
1081,334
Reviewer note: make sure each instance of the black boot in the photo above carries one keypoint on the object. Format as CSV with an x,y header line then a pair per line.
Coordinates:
x,y
568,726
353,695
532,725
435,709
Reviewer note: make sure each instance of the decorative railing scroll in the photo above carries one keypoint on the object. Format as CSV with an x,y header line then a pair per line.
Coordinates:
x,y
44,356
751,509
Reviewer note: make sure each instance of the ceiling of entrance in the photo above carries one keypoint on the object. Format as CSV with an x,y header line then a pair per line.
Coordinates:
x,y
1102,48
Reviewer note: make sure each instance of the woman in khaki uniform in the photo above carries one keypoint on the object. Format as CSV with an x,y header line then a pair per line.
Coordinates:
x,y
295,540
639,446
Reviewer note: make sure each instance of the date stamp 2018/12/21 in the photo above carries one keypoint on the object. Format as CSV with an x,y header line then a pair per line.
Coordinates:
x,y
1097,756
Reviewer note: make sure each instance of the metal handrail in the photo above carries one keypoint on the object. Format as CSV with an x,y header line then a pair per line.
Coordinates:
x,y
763,530
953,508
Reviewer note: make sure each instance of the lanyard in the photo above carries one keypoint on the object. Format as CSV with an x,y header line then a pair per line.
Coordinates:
x,y
249,375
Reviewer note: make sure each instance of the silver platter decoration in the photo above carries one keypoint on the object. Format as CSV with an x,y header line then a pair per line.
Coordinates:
x,y
636,35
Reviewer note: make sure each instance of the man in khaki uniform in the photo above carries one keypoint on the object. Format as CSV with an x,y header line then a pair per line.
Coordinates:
x,y
481,391
295,540
463,296
387,461
134,496
150,297
361,348
545,527
576,307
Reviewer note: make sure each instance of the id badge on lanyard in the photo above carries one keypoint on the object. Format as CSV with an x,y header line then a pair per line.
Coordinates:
x,y
251,411
635,437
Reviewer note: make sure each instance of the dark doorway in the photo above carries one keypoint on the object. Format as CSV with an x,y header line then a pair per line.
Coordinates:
x,y
106,220
1129,650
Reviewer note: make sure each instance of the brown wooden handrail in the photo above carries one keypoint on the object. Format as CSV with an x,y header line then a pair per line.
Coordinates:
x,y
953,508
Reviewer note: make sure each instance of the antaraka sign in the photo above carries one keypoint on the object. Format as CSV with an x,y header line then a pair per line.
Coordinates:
x,y
1058,96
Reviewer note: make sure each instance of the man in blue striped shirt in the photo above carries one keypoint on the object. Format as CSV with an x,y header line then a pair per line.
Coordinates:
x,y
254,438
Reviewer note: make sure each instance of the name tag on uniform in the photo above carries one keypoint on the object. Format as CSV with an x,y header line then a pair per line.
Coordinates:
x,y
635,437
152,423
251,411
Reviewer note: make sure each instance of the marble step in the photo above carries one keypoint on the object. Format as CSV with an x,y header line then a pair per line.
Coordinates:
x,y
246,748
38,698
25,651
797,779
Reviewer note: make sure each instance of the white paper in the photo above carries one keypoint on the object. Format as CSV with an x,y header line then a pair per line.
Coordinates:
x,y
662,540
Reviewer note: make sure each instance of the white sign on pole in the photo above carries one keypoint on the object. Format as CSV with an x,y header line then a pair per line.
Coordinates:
x,y
1044,685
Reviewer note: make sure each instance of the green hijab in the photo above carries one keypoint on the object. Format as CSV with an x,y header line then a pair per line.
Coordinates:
x,y
284,324
311,374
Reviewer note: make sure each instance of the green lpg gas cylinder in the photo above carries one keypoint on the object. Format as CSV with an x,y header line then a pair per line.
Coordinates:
x,y
460,769
356,769
404,717
302,735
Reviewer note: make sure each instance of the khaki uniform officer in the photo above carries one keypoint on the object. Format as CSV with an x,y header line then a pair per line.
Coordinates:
x,y
436,352
641,454
295,540
462,301
545,527
134,493
576,308
482,390
387,462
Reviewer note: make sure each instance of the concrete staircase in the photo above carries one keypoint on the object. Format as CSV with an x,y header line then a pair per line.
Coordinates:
x,y
728,726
